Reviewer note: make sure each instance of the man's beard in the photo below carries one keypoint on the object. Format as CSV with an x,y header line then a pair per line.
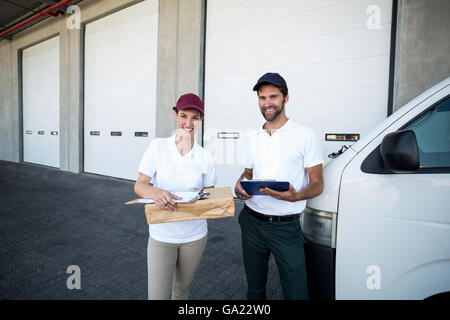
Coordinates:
x,y
275,115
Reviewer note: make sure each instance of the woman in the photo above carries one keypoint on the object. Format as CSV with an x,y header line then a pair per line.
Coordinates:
x,y
175,164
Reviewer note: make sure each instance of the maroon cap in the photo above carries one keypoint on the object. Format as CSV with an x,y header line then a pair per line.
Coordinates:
x,y
189,101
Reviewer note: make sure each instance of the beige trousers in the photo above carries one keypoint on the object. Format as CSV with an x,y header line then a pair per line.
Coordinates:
x,y
171,268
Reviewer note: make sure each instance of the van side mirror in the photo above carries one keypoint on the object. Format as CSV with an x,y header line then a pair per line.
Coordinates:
x,y
400,152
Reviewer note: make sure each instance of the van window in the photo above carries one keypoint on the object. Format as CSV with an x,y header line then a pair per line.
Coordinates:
x,y
432,130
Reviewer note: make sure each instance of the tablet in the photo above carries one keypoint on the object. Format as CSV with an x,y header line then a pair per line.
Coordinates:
x,y
252,186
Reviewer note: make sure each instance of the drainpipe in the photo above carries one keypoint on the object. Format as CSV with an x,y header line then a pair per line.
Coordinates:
x,y
44,12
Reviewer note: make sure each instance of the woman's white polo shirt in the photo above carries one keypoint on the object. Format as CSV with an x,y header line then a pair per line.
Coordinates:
x,y
170,171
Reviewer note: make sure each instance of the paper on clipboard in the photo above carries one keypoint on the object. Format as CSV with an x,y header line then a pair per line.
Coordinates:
x,y
186,197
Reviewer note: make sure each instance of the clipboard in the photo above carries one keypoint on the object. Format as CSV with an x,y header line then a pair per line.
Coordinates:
x,y
186,197
252,186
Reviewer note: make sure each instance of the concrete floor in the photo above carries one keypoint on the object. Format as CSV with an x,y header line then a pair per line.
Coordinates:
x,y
52,219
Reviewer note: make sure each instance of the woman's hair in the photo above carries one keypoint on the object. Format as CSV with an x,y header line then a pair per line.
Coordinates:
x,y
200,114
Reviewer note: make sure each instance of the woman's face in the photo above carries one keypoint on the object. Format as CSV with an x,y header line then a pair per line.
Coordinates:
x,y
188,122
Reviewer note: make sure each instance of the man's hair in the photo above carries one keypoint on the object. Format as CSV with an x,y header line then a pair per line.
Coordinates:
x,y
284,91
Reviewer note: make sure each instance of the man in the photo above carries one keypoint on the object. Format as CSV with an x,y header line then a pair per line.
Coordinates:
x,y
285,151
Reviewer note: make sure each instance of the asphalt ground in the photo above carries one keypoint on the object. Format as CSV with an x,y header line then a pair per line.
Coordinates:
x,y
51,220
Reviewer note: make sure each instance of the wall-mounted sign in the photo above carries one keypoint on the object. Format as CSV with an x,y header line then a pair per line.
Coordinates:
x,y
228,135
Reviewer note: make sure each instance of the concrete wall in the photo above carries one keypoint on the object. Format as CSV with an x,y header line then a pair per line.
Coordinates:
x,y
423,57
180,59
6,110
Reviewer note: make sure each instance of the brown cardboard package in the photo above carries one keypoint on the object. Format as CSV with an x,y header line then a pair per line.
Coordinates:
x,y
219,204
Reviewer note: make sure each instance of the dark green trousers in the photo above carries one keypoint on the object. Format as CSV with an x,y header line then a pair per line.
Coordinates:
x,y
284,241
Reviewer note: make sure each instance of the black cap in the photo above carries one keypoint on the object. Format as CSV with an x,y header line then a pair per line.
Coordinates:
x,y
270,78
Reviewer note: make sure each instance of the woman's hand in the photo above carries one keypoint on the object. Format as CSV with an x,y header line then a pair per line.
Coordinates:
x,y
164,200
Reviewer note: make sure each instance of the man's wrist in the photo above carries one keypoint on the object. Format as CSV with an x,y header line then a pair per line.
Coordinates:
x,y
243,177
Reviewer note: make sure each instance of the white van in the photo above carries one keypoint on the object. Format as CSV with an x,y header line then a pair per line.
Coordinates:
x,y
381,227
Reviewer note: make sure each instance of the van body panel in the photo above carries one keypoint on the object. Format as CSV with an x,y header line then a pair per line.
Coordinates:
x,y
423,281
328,200
393,233
393,230
378,229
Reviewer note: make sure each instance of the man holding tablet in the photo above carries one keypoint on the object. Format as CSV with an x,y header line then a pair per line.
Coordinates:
x,y
281,150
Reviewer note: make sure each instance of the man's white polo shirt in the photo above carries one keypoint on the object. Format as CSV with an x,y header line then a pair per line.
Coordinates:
x,y
283,156
170,171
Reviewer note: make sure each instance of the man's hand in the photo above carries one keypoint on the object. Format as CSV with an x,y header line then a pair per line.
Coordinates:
x,y
290,195
313,189
240,192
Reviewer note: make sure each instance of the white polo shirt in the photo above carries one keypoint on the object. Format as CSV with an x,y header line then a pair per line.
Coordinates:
x,y
283,156
172,172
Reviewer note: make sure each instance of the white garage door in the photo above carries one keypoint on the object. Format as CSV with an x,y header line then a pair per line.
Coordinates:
x,y
40,96
120,89
333,54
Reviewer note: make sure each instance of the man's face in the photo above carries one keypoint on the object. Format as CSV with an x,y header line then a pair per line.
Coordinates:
x,y
271,101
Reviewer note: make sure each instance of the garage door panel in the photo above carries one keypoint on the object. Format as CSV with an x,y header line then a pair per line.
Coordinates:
x,y
214,6
336,67
354,124
120,89
254,32
345,101
335,75
126,150
354,73
228,85
321,78
335,103
40,100
114,34
254,12
148,9
116,107
329,48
